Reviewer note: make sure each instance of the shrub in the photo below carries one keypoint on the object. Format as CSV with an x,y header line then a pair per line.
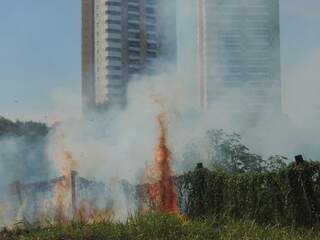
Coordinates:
x,y
288,196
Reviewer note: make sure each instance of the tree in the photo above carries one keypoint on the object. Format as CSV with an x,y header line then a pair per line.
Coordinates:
x,y
276,162
227,153
25,129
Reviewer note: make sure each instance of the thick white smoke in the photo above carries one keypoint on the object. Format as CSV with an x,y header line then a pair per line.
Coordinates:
x,y
118,146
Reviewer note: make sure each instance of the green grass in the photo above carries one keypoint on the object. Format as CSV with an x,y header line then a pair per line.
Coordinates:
x,y
159,226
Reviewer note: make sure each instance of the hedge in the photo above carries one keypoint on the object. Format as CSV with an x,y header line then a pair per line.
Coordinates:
x,y
289,196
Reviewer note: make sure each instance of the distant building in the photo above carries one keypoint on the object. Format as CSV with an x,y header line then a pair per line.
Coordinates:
x,y
239,52
121,38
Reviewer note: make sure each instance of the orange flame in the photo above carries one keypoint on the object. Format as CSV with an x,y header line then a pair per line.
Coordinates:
x,y
160,188
62,189
88,212
66,208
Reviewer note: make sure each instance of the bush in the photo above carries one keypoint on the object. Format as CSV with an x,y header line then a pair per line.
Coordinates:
x,y
288,196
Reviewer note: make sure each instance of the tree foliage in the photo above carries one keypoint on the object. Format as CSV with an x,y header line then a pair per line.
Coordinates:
x,y
226,152
19,128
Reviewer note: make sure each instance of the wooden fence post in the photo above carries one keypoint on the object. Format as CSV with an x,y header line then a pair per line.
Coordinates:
x,y
74,191
17,191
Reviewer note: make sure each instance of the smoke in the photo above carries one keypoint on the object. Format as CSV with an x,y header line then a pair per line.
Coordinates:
x,y
119,145
22,159
298,130
292,132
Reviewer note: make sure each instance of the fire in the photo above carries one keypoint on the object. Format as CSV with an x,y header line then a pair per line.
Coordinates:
x,y
160,188
88,212
67,207
63,187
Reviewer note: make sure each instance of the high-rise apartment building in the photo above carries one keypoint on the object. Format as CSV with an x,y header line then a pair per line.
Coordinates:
x,y
239,54
121,38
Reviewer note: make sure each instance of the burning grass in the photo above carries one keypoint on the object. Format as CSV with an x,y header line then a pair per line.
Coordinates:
x,y
159,185
163,226
65,164
65,199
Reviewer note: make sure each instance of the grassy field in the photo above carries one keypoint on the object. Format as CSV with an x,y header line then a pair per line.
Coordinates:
x,y
158,226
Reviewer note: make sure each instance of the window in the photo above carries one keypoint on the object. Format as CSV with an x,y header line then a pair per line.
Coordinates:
x,y
152,46
133,26
113,22
113,49
133,17
151,28
113,40
151,19
113,58
151,54
151,36
113,30
151,2
112,76
150,10
110,12
133,8
134,44
113,67
113,4
134,53
135,62
134,35
133,70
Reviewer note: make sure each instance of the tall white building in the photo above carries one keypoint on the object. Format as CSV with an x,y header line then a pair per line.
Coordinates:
x,y
239,54
121,38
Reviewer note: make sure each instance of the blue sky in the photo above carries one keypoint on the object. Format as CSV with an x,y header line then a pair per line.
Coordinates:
x,y
40,51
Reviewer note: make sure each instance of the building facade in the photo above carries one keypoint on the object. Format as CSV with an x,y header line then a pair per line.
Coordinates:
x,y
121,38
239,54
